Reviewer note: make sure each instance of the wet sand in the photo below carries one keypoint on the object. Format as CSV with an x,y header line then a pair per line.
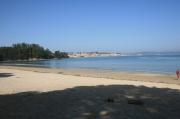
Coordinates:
x,y
117,75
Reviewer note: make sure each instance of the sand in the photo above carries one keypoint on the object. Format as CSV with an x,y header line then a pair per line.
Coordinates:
x,y
41,93
23,81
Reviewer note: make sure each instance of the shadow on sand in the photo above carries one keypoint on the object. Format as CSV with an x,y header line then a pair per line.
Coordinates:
x,y
2,75
91,103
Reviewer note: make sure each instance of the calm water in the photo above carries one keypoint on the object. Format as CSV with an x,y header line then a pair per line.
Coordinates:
x,y
153,64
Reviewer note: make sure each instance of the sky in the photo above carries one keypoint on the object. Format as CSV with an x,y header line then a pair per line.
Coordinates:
x,y
92,25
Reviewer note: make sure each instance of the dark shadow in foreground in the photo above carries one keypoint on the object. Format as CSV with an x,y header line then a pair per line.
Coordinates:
x,y
2,75
91,103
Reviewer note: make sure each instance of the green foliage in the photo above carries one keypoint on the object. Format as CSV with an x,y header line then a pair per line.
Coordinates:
x,y
59,54
1,58
24,51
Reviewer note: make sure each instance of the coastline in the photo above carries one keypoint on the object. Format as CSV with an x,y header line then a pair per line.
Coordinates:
x,y
115,75
14,64
23,79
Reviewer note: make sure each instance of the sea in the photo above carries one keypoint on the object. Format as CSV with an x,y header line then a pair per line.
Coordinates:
x,y
148,62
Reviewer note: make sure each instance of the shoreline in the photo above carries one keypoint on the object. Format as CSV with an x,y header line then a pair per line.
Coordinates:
x,y
109,70
91,69
26,63
15,80
115,75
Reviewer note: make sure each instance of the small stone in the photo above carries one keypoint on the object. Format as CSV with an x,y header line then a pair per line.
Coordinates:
x,y
110,100
103,113
135,102
86,114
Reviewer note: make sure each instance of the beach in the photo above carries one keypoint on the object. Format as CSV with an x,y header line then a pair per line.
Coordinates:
x,y
29,92
22,79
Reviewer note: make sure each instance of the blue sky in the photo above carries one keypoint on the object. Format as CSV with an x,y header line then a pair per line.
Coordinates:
x,y
92,25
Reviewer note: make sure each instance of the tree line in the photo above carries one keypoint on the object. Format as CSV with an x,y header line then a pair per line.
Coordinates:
x,y
25,51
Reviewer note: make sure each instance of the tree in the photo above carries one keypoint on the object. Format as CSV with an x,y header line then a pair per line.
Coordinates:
x,y
1,58
58,54
24,51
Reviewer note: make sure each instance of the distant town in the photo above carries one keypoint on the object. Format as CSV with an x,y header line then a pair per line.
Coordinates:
x,y
93,54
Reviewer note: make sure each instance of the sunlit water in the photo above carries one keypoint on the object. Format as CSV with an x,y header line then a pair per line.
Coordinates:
x,y
151,64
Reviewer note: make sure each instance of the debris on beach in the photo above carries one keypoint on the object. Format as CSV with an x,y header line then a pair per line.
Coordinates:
x,y
110,100
135,102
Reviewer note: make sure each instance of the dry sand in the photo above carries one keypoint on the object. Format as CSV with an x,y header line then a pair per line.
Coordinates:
x,y
39,93
18,80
